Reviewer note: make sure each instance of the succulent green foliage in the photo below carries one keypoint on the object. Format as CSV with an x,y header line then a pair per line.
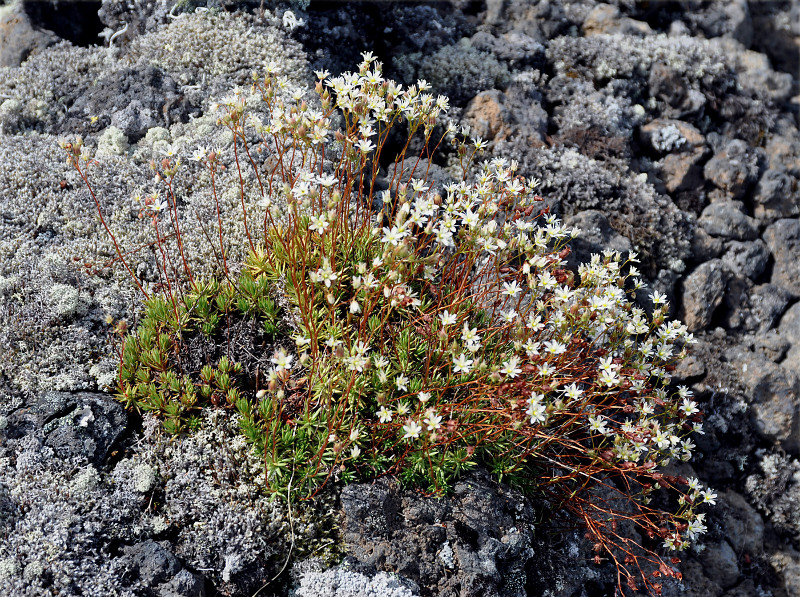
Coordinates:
x,y
153,374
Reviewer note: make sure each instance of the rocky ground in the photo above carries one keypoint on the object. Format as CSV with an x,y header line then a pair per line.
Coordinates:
x,y
670,128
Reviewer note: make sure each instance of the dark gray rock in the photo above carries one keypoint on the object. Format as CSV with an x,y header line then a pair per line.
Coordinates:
x,y
783,240
703,291
134,100
529,117
783,152
19,36
151,562
776,196
789,329
746,259
705,246
727,220
734,168
720,562
789,326
753,308
744,527
772,345
183,584
687,369
468,544
773,394
81,424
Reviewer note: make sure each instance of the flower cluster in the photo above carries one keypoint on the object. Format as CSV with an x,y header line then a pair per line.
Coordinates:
x,y
446,329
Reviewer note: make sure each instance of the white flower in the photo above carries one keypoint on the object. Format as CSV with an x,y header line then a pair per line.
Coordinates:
x,y
462,364
572,391
282,361
606,364
512,289
509,316
609,378
547,281
696,527
401,381
324,274
424,397
355,452
470,218
327,180
365,145
432,421
598,424
355,307
689,407
319,223
447,318
658,298
672,542
412,430
554,347
510,368
662,439
393,236
384,415
469,334
200,154
709,496
537,412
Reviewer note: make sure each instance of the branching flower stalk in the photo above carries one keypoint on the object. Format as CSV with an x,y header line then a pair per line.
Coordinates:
x,y
436,327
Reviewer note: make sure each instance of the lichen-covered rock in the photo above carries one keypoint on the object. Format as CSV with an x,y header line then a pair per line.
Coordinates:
x,y
703,291
727,220
459,70
774,395
734,168
774,486
746,258
776,196
783,240
606,19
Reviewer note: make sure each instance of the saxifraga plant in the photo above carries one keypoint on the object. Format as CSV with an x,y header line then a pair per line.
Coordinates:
x,y
440,332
